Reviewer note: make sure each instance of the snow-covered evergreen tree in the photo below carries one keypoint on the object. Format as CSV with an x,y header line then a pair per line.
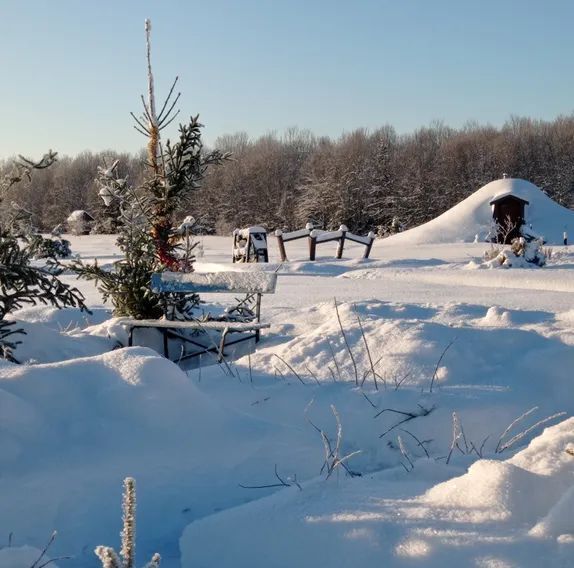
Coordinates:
x,y
21,283
147,212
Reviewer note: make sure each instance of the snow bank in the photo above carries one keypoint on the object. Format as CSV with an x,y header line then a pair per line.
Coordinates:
x,y
481,518
118,400
473,217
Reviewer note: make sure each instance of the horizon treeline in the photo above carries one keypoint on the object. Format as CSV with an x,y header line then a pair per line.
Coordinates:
x,y
363,179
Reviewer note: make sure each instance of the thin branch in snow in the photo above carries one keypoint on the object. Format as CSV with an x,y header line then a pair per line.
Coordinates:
x,y
282,483
347,343
369,400
408,416
512,425
434,375
334,361
521,435
419,443
404,453
367,349
290,368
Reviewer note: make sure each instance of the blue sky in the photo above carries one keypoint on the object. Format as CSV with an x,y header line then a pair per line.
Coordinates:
x,y
72,70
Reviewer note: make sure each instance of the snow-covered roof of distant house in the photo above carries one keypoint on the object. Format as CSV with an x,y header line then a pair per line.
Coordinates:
x,y
472,217
79,215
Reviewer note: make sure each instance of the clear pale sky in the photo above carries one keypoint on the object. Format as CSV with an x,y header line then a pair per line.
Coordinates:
x,y
72,70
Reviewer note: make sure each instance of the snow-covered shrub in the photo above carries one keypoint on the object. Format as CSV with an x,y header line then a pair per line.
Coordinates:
x,y
522,253
127,556
42,247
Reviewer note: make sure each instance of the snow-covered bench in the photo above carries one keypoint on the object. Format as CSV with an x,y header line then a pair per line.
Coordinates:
x,y
253,284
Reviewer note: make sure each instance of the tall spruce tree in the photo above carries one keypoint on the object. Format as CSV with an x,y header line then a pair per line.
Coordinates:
x,y
147,212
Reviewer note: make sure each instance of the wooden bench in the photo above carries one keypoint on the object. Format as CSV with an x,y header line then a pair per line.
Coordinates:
x,y
253,284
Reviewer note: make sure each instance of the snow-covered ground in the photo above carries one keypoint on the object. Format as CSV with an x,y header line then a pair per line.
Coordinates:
x,y
448,344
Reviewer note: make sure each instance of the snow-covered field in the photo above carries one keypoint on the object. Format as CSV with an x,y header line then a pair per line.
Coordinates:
x,y
443,339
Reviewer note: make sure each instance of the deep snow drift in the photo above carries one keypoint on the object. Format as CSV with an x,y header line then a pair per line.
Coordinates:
x,y
84,414
471,219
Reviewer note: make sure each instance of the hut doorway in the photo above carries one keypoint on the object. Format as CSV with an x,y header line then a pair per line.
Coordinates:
x,y
508,215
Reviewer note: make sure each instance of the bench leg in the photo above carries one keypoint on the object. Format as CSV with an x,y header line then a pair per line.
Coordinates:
x,y
165,344
222,344
258,317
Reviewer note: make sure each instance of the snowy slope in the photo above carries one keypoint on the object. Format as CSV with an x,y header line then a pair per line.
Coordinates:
x,y
473,216
83,414
487,517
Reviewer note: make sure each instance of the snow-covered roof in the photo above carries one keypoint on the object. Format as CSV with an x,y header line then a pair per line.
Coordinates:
x,y
501,196
79,215
472,217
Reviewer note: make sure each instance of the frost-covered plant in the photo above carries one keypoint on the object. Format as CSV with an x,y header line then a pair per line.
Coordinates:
x,y
521,253
332,448
127,556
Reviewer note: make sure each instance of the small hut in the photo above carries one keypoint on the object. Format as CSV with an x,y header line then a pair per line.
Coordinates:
x,y
508,214
80,222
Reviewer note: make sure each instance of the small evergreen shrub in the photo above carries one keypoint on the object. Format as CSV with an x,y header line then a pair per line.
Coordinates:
x,y
21,283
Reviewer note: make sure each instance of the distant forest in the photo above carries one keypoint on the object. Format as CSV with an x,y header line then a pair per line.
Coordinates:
x,y
363,179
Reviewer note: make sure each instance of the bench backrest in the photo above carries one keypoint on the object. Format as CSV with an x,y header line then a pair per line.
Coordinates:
x,y
214,282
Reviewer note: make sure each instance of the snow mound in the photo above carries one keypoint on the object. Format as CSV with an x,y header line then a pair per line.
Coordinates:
x,y
490,491
536,482
471,219
23,557
117,401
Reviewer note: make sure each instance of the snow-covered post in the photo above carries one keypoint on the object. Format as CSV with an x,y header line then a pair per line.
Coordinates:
x,y
343,229
312,244
281,245
565,237
235,233
369,246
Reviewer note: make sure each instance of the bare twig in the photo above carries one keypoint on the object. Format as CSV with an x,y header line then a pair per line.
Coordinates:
x,y
521,435
419,443
282,483
347,343
334,361
408,416
369,400
511,426
312,375
439,362
367,349
333,459
38,563
290,368
404,453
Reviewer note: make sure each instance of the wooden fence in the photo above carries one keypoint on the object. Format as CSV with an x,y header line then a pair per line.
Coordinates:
x,y
316,237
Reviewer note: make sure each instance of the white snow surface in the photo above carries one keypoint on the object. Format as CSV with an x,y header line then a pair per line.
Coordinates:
x,y
82,413
472,218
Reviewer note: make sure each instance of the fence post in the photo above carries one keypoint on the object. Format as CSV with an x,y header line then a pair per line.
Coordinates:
x,y
312,244
343,229
369,246
281,243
